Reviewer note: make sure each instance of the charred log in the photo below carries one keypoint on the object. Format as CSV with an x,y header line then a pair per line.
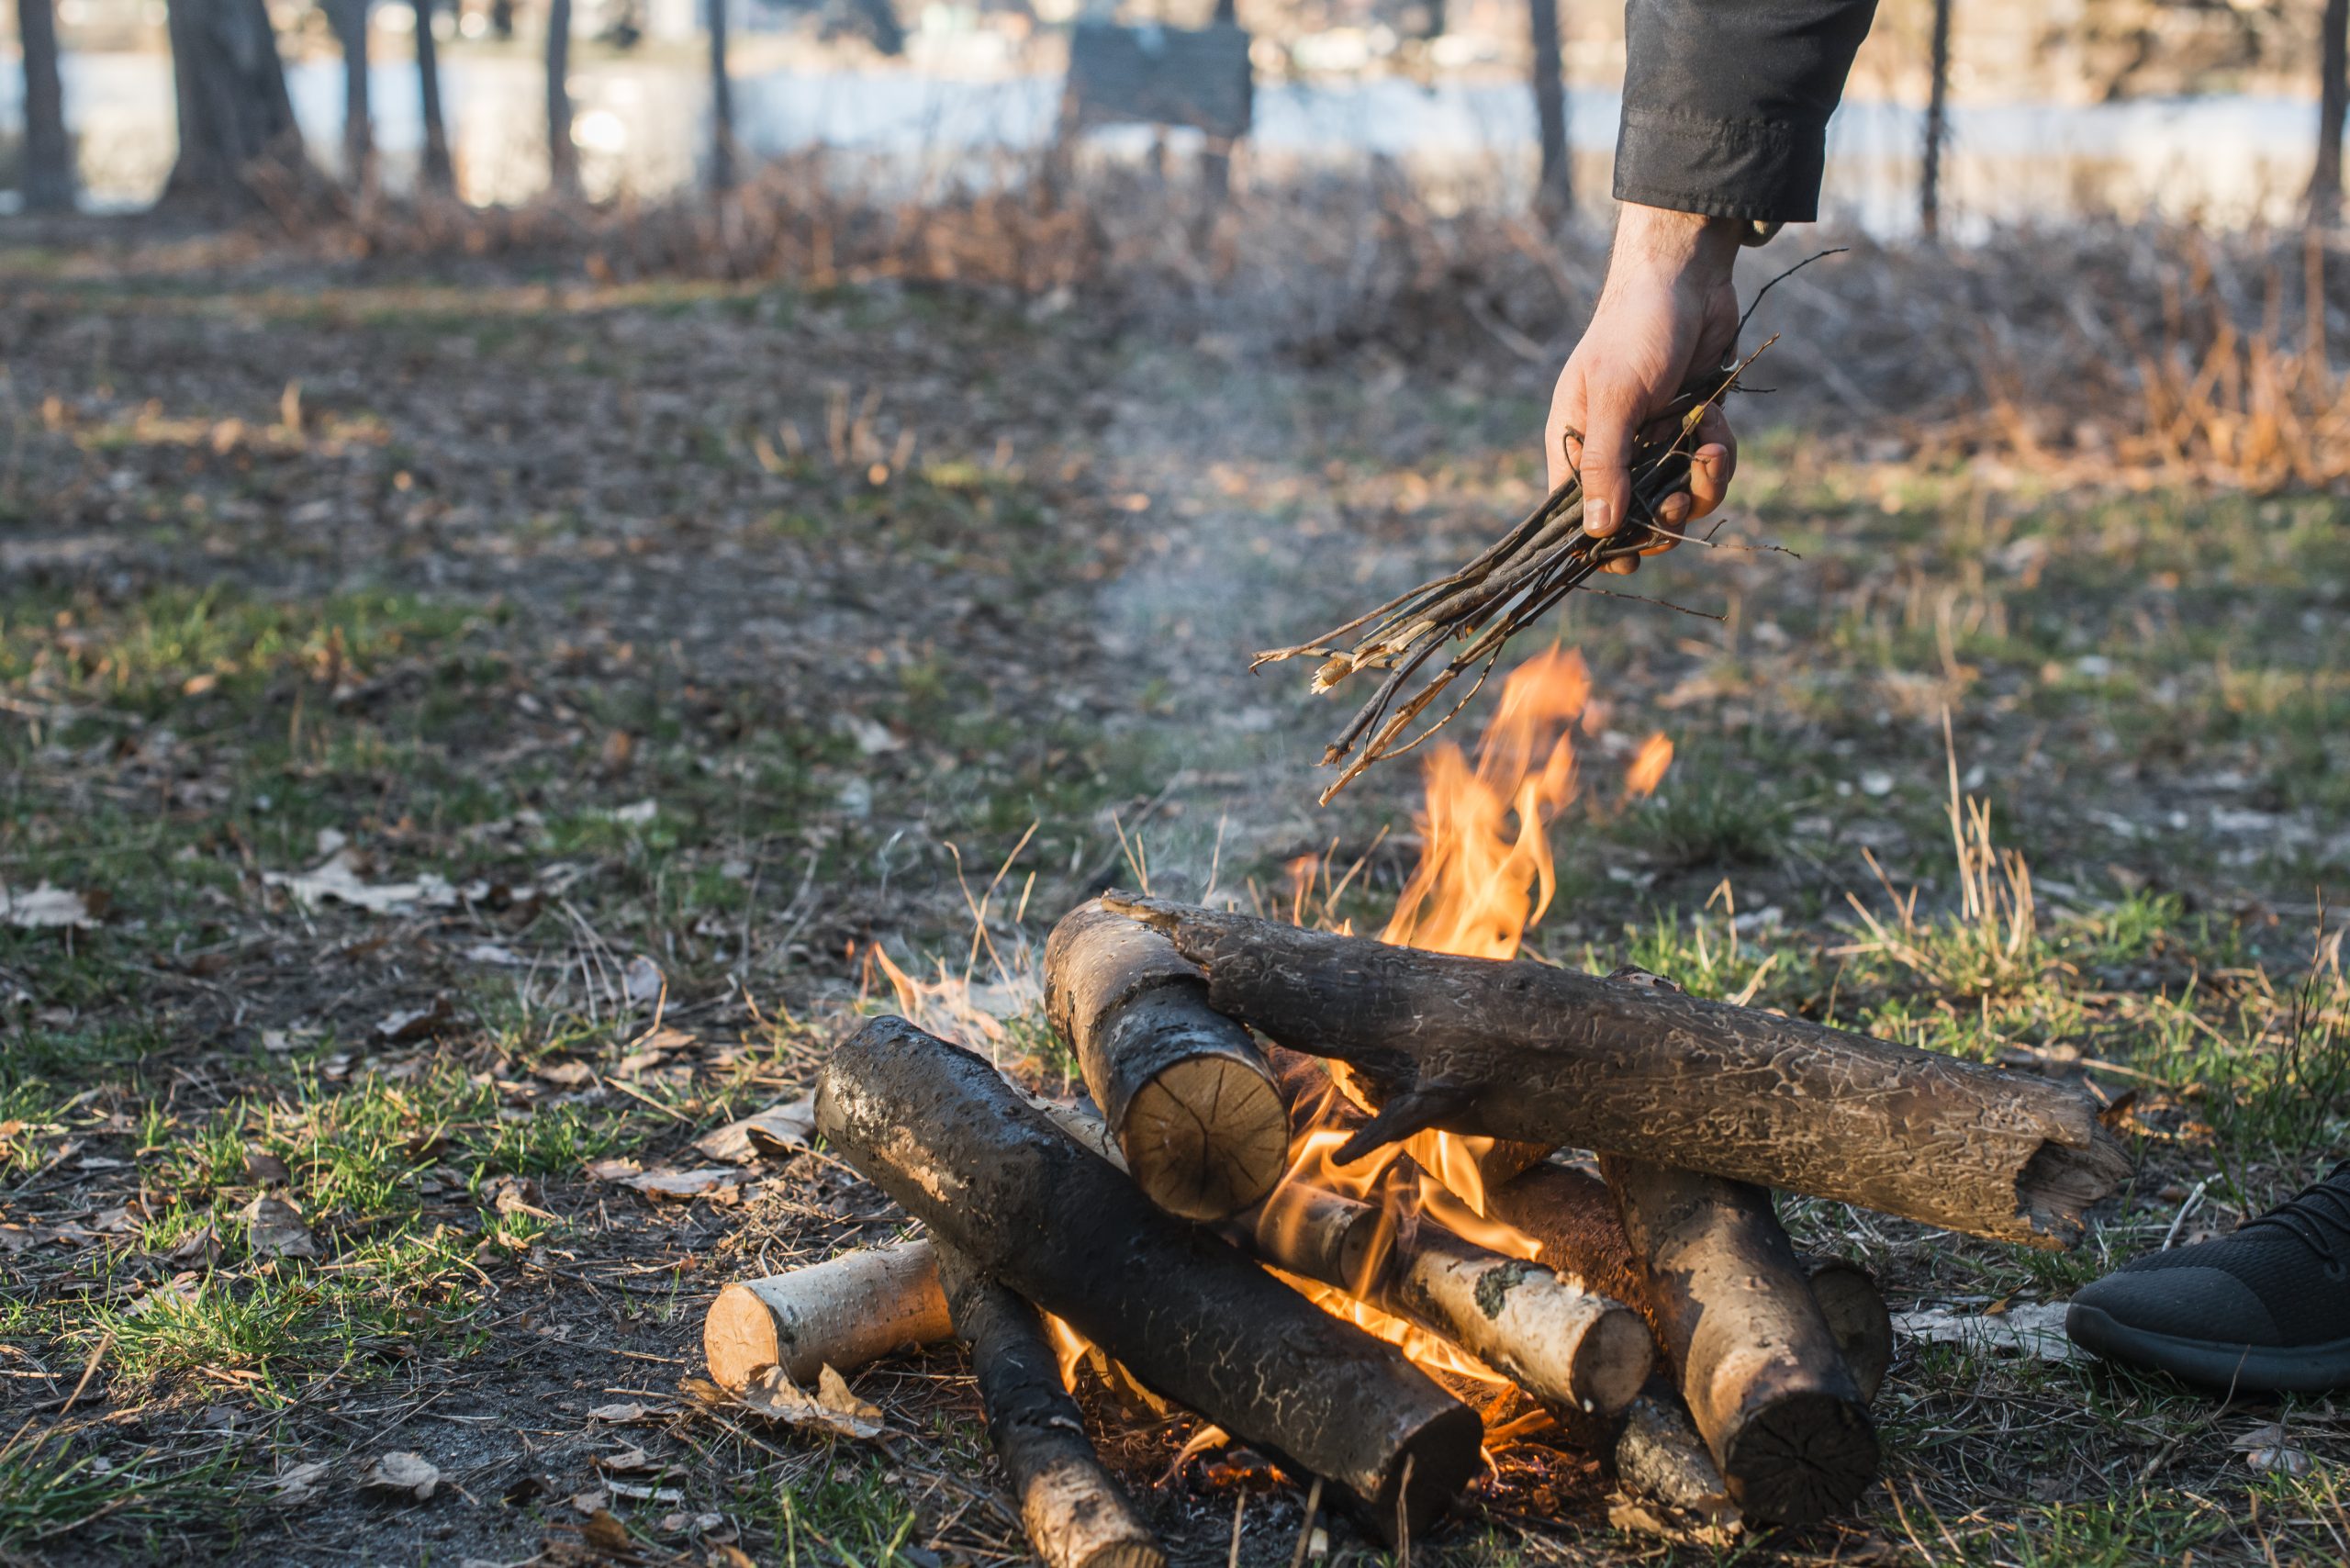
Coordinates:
x,y
1076,1514
1518,1050
1185,1089
994,1177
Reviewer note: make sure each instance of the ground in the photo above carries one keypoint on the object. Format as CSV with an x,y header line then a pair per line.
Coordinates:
x,y
465,726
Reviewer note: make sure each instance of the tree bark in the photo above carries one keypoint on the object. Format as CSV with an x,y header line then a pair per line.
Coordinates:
x,y
1076,1514
1929,184
994,1177
49,155
843,1312
2332,98
1571,1215
1518,1050
562,154
435,175
1570,1347
1758,1367
1555,193
721,103
1185,1089
350,19
236,122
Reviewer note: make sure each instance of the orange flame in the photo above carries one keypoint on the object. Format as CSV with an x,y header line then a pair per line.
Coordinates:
x,y
1647,766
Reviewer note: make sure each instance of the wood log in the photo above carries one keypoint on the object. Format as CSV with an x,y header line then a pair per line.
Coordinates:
x,y
1571,1215
1185,1089
1562,1344
1656,1452
1518,1050
843,1312
1757,1365
1190,1315
1076,1514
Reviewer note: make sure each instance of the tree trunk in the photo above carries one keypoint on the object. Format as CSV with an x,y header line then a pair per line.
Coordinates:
x,y
350,19
1185,1090
48,156
841,1313
995,1179
1555,193
721,103
1759,1366
1518,1050
1930,187
562,154
236,124
1076,1514
2333,97
435,175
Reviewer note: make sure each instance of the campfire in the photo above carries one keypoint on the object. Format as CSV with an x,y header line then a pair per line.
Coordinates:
x,y
1326,1196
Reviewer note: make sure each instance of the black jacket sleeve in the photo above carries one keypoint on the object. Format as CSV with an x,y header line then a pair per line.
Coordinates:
x,y
1725,103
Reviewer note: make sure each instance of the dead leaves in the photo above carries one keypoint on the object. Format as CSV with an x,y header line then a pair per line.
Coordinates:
x,y
49,908
716,1184
340,879
778,1131
275,1228
401,1471
772,1395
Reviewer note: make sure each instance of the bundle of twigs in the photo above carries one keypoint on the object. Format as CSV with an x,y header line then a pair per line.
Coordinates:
x,y
1478,609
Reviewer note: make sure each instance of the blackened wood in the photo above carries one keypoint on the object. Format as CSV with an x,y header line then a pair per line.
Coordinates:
x,y
1519,1050
1076,1514
1571,1215
990,1175
1185,1089
1757,1365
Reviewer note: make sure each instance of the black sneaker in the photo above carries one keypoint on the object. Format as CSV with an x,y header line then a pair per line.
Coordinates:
x,y
2266,1309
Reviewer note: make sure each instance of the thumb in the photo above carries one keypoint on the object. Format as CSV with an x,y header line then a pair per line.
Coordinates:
x,y
1613,414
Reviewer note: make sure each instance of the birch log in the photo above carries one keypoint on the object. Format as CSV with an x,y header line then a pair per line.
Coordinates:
x,y
1519,1050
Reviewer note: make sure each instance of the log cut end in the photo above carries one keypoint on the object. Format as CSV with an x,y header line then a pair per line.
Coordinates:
x,y
1800,1458
1615,1358
1206,1138
2059,1183
739,1336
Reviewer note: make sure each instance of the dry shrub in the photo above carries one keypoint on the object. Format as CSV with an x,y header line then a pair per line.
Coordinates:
x,y
2149,352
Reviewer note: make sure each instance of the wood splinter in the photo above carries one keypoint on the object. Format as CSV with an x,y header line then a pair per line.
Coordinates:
x,y
1076,1514
1192,1317
1184,1089
1519,1050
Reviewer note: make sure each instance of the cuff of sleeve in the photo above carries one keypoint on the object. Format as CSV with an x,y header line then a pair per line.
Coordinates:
x,y
1721,168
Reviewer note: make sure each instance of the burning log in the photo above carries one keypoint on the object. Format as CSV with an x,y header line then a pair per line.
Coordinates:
x,y
843,1312
1518,1050
1759,1366
1184,1089
1076,1514
1573,1215
994,1177
1562,1344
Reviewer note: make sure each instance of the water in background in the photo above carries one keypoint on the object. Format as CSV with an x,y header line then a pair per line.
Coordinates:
x,y
641,125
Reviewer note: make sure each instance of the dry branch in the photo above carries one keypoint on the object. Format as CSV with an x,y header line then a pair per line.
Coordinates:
x,y
994,1177
1758,1367
1076,1514
843,1312
1519,1050
1185,1089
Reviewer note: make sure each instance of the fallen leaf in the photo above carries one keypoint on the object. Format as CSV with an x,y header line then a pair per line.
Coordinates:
x,y
199,1247
2032,1328
337,879
592,1502
266,1168
776,1131
831,1408
47,908
642,981
516,1195
414,1023
623,1460
615,1170
607,1535
564,1074
2269,1447
619,1414
677,1187
177,1290
299,1485
274,1230
403,1471
672,1523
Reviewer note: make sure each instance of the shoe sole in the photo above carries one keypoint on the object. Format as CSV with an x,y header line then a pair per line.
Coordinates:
x,y
2245,1369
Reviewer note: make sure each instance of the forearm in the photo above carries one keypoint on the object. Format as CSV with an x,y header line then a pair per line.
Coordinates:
x,y
1725,103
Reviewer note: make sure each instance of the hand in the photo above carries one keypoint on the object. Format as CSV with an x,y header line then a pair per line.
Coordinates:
x,y
1668,311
